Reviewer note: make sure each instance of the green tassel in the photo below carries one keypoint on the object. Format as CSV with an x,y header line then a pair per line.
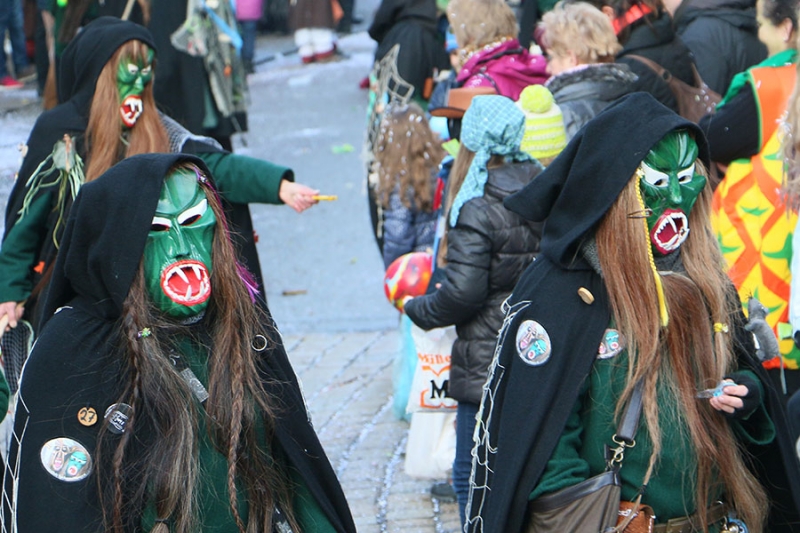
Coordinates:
x,y
62,169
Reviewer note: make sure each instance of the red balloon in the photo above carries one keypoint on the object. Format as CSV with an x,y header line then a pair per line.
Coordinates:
x,y
408,275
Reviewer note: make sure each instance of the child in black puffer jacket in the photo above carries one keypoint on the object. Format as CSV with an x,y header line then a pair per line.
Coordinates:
x,y
486,249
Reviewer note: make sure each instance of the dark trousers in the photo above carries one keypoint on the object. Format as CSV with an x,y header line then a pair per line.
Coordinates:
x,y
465,427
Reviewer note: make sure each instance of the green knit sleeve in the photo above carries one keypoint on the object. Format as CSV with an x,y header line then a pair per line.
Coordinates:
x,y
20,249
244,180
566,467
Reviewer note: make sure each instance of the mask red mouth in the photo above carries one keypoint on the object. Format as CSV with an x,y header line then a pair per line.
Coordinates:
x,y
670,231
186,282
131,109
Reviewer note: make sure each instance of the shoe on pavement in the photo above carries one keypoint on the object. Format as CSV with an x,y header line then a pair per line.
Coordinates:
x,y
7,82
26,74
443,492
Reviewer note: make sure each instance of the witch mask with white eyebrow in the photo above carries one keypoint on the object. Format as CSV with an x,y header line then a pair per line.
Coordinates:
x,y
670,186
177,255
133,75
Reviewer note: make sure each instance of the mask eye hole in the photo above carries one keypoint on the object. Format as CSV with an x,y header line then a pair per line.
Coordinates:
x,y
160,224
654,177
146,70
686,175
132,69
193,214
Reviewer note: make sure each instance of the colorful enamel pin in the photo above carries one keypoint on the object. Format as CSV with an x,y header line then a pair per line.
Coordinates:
x,y
611,345
66,459
533,343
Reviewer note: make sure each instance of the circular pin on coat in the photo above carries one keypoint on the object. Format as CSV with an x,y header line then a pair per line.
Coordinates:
x,y
533,343
66,459
87,416
117,415
611,345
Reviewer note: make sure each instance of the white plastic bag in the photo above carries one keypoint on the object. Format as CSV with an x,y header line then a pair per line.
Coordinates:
x,y
429,388
431,445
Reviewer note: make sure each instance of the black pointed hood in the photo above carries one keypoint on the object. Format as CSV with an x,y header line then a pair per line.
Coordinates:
x,y
106,234
584,181
87,54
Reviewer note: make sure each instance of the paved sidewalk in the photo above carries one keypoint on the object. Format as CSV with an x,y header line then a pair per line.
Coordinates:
x,y
347,379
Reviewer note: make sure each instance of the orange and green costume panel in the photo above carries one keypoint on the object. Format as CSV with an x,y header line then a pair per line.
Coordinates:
x,y
750,218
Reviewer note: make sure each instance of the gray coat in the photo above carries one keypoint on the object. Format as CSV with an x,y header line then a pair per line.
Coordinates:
x,y
582,93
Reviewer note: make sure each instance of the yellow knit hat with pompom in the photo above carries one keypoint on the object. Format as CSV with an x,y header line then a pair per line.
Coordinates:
x,y
545,135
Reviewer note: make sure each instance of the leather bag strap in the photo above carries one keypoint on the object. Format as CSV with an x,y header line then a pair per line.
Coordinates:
x,y
626,430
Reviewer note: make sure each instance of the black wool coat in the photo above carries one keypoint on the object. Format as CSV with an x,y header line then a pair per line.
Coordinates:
x,y
723,38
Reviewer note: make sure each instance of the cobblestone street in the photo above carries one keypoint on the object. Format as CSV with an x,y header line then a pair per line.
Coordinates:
x,y
347,380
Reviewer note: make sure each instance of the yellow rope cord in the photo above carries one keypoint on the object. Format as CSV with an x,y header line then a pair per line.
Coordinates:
x,y
662,303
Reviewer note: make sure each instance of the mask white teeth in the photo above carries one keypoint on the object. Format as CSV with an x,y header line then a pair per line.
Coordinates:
x,y
188,293
180,273
196,271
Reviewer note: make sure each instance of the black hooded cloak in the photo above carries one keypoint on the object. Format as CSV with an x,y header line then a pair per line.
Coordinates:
x,y
524,407
75,365
412,25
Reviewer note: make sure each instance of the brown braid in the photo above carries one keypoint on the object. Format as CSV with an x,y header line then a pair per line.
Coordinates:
x,y
235,434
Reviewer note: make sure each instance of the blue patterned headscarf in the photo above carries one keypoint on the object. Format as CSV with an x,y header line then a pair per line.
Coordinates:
x,y
492,125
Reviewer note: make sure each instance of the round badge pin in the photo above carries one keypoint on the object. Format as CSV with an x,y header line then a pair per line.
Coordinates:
x,y
87,416
533,343
611,345
118,415
66,459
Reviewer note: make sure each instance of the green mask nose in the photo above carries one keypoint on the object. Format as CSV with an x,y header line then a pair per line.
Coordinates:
x,y
670,186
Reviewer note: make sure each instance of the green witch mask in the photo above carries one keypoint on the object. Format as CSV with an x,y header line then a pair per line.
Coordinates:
x,y
670,186
177,255
132,77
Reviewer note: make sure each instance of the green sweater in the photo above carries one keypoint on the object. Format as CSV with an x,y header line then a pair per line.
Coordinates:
x,y
579,453
213,505
239,179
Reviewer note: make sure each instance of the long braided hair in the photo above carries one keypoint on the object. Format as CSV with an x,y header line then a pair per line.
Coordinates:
x,y
689,354
154,461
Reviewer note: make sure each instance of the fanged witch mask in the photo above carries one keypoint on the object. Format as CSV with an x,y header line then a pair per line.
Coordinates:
x,y
132,77
177,255
670,186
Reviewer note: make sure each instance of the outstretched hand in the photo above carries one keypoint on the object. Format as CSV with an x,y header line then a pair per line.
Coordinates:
x,y
297,196
13,311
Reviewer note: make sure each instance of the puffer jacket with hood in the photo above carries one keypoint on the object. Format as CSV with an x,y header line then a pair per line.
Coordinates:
x,y
412,25
584,91
487,251
723,37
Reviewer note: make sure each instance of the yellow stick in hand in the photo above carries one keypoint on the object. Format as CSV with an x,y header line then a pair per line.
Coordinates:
x,y
325,198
